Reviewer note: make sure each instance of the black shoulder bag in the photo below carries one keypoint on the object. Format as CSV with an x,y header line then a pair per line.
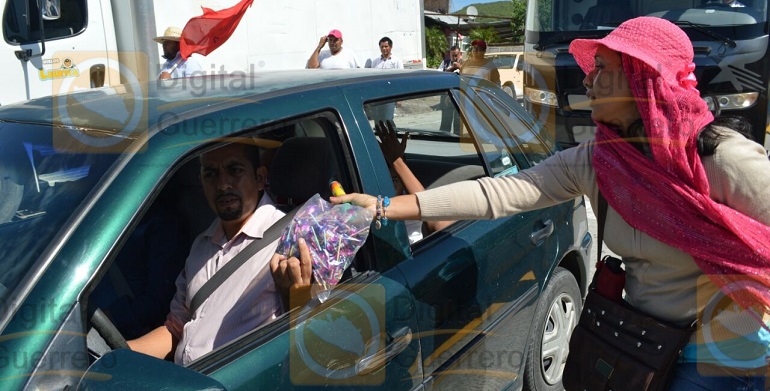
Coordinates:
x,y
617,347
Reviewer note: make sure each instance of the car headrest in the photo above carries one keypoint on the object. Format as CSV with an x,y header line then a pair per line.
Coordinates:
x,y
301,167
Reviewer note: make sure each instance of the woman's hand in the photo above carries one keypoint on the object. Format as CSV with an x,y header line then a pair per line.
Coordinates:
x,y
362,200
391,148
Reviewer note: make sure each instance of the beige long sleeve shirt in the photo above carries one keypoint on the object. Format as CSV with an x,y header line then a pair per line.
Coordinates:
x,y
661,280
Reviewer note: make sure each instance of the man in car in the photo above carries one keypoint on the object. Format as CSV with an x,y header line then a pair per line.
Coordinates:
x,y
335,57
232,179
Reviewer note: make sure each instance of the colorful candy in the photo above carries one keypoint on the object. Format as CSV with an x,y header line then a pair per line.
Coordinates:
x,y
333,233
337,190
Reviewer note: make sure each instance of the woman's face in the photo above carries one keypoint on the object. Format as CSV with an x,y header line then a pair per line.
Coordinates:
x,y
612,102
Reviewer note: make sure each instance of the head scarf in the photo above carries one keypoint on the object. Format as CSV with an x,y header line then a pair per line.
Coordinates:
x,y
667,197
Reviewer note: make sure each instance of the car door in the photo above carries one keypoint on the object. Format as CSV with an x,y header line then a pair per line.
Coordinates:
x,y
363,333
474,278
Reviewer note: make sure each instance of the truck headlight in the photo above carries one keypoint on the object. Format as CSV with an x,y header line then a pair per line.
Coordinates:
x,y
540,96
732,101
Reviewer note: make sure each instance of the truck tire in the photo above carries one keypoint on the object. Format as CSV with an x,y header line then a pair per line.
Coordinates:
x,y
556,315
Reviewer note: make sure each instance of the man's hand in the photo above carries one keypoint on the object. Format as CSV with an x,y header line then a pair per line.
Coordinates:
x,y
391,148
293,276
165,75
322,42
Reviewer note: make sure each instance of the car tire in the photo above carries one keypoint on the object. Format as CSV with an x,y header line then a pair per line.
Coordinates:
x,y
556,315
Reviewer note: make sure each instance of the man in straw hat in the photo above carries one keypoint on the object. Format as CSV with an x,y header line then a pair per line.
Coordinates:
x,y
175,66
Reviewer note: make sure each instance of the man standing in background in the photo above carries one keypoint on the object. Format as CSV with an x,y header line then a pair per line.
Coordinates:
x,y
386,60
175,66
454,62
335,57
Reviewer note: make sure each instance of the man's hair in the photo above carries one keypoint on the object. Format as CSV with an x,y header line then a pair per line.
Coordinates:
x,y
252,152
454,47
386,39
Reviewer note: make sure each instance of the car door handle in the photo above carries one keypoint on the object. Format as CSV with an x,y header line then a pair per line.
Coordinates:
x,y
538,236
401,339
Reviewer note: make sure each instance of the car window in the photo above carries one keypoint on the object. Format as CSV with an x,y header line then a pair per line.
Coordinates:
x,y
441,148
533,147
301,156
43,181
21,21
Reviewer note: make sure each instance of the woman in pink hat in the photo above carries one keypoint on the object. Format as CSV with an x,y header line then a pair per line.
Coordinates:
x,y
688,195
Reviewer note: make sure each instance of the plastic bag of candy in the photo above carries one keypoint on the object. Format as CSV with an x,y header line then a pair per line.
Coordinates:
x,y
333,233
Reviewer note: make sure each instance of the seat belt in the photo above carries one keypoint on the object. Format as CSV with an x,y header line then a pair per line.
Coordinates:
x,y
270,235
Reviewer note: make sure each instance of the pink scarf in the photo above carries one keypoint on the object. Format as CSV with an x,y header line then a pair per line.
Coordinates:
x,y
668,197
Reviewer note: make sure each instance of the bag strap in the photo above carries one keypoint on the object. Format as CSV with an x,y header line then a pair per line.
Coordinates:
x,y
270,235
600,222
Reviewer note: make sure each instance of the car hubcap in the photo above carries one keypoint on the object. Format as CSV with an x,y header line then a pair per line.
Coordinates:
x,y
562,317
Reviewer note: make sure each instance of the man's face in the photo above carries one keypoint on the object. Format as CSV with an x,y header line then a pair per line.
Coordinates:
x,y
170,49
230,182
335,44
385,49
456,55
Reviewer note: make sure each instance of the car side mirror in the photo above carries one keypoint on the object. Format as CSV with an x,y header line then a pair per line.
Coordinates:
x,y
51,9
125,369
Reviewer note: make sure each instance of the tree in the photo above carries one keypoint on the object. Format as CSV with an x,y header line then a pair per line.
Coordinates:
x,y
519,19
488,34
435,43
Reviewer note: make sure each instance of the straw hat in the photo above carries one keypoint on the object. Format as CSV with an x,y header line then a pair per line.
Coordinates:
x,y
171,34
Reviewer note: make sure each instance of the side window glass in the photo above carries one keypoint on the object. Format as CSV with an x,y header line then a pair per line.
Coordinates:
x,y
21,20
492,143
300,157
526,141
440,149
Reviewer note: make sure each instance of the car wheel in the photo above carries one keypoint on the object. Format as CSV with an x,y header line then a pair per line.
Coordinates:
x,y
556,315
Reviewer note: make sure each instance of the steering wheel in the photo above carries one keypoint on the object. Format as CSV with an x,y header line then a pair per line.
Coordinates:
x,y
107,330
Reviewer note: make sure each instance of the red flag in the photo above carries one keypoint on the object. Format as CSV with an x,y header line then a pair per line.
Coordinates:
x,y
203,34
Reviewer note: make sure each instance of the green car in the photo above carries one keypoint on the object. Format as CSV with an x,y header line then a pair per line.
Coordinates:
x,y
100,199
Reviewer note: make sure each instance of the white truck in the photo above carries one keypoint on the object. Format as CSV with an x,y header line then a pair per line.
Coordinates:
x,y
40,49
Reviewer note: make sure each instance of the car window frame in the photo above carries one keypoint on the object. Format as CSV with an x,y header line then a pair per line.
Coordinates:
x,y
257,337
488,116
431,239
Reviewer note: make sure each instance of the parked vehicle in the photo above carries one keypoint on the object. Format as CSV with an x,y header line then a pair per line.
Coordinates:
x,y
480,302
115,34
730,43
509,61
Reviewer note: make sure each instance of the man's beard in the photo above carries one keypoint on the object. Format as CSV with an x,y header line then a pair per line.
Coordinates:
x,y
169,55
231,214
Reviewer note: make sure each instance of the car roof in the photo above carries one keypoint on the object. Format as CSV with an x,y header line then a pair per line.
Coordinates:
x,y
180,96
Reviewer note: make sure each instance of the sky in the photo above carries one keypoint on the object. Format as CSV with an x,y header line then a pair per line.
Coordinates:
x,y
458,4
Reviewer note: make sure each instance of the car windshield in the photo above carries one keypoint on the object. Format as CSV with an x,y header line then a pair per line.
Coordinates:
x,y
40,189
568,15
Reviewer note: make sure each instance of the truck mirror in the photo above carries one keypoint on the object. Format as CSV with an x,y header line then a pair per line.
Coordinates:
x,y
51,9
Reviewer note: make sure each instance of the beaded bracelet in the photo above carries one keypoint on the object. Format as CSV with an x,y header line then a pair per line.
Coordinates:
x,y
381,208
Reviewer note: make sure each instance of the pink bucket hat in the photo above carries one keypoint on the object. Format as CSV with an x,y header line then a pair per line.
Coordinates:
x,y
655,41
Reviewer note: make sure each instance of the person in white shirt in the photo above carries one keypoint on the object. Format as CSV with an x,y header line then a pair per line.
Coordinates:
x,y
175,66
335,57
387,60
232,178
